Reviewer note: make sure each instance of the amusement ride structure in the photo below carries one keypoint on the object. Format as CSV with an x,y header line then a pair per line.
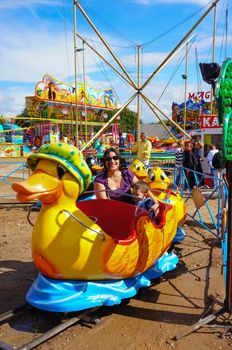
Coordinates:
x,y
95,250
86,256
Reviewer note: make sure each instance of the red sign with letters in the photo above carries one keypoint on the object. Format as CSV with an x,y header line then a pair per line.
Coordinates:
x,y
199,95
209,122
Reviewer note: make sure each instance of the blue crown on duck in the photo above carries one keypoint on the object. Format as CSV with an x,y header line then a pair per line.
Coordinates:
x,y
68,156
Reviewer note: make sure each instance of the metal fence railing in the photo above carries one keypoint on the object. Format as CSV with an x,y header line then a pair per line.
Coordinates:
x,y
10,172
209,215
213,199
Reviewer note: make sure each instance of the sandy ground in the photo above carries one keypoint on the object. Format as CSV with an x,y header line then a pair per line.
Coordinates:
x,y
151,319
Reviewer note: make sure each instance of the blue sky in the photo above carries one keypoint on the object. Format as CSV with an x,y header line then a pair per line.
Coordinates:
x,y
36,37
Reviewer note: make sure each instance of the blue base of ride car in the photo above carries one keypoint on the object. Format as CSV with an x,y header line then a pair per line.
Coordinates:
x,y
70,295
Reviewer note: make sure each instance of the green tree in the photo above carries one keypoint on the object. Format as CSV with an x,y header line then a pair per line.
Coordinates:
x,y
2,121
128,119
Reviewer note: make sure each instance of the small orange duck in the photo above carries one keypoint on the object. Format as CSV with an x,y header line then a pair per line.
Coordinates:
x,y
158,183
138,168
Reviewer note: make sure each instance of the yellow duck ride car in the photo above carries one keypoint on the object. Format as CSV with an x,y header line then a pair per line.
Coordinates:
x,y
76,248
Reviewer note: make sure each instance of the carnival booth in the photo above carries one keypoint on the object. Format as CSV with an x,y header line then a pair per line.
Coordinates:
x,y
211,133
11,140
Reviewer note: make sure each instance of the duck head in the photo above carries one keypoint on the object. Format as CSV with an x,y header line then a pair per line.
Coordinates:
x,y
58,169
94,166
138,168
157,179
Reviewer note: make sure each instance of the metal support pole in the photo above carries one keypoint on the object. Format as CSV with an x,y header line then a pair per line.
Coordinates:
x,y
75,70
138,94
84,81
100,132
162,122
162,112
167,59
105,60
105,43
213,57
128,77
185,86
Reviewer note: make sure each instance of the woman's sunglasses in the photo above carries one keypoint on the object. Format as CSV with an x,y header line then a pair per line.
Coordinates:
x,y
108,159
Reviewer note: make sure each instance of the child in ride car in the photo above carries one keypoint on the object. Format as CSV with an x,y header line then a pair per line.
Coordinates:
x,y
141,198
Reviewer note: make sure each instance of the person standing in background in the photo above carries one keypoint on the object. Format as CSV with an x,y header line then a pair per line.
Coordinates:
x,y
100,147
220,168
218,165
197,146
121,142
189,163
179,154
143,149
130,138
212,150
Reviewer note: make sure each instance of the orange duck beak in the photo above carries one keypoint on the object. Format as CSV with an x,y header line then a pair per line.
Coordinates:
x,y
141,175
96,169
158,185
40,186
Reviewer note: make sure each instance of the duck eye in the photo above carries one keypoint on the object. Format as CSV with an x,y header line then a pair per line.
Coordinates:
x,y
137,167
32,163
152,176
162,176
61,171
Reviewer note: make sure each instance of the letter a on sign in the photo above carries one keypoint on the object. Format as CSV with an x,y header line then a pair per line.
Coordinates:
x,y
215,122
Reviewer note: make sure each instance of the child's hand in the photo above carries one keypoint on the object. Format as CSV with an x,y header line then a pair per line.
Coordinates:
x,y
155,208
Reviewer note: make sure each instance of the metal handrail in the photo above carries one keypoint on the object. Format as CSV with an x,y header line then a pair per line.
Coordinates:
x,y
29,212
73,216
82,223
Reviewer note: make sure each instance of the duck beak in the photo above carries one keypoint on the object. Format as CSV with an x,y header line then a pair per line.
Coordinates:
x,y
141,175
151,185
97,167
40,186
158,185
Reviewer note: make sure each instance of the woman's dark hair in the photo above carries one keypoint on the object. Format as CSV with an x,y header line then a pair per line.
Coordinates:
x,y
106,154
211,147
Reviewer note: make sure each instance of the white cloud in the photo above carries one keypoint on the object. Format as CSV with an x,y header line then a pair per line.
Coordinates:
x,y
30,54
12,100
7,5
29,50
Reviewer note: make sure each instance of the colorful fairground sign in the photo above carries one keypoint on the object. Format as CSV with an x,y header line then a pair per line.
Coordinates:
x,y
210,122
199,95
197,101
55,97
52,89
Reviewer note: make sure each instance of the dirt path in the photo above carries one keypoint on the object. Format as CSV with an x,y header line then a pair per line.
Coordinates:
x,y
151,319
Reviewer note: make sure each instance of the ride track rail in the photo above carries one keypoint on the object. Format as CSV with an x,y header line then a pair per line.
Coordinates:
x,y
25,205
64,320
